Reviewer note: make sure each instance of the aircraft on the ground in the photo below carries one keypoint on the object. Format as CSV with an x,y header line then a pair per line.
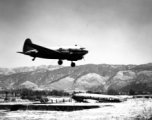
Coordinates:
x,y
86,97
74,53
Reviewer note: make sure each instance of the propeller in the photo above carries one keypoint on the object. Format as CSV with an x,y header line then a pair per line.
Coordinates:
x,y
83,59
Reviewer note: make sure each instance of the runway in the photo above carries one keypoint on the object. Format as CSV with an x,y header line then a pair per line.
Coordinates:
x,y
47,106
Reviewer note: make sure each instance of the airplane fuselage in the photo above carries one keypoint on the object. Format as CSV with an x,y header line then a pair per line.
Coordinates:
x,y
65,54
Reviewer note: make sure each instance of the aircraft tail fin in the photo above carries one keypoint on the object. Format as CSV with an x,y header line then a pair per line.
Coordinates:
x,y
26,46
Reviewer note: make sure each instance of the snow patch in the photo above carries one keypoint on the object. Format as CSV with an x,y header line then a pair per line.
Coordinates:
x,y
125,75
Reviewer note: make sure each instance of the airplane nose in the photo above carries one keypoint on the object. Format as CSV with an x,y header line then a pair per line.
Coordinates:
x,y
86,51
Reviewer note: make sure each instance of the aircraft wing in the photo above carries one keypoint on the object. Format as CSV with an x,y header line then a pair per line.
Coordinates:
x,y
43,49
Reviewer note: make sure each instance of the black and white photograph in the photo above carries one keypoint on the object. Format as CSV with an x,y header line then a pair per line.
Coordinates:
x,y
75,59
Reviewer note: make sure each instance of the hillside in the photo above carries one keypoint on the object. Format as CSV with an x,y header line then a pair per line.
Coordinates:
x,y
90,77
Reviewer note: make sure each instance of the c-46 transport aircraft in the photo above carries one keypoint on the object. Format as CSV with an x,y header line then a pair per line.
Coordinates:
x,y
74,53
86,97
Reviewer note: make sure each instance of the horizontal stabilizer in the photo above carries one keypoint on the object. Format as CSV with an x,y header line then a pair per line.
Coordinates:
x,y
21,52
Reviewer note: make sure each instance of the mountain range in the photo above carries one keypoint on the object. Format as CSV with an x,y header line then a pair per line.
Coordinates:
x,y
89,77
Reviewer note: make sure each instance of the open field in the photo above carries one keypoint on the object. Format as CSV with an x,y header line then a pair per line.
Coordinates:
x,y
132,109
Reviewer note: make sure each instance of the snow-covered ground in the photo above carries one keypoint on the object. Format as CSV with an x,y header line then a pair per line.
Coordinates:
x,y
132,109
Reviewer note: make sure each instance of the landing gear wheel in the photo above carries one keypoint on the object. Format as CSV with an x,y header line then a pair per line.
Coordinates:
x,y
60,62
72,64
33,59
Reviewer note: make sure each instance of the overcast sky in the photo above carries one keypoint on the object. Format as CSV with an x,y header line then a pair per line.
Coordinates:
x,y
114,31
